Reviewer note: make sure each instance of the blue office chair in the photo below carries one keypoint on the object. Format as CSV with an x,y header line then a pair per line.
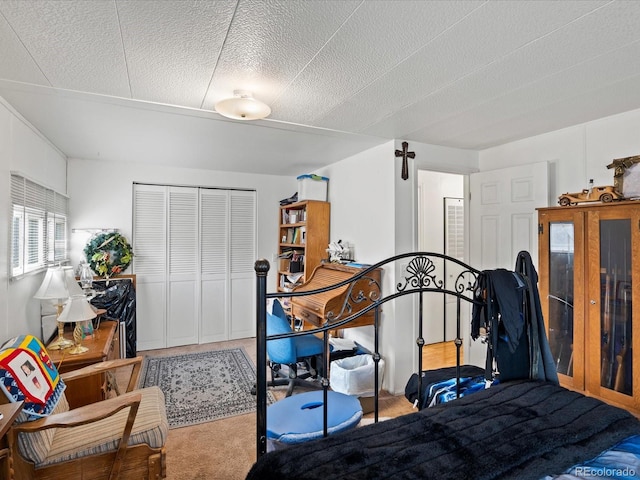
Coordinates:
x,y
306,350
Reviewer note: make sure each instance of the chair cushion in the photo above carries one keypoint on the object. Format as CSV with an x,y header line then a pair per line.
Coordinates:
x,y
277,309
300,418
289,350
282,350
150,427
308,345
36,446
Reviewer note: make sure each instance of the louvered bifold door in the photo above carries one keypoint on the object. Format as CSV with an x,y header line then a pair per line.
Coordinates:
x,y
242,256
150,264
214,265
194,255
184,277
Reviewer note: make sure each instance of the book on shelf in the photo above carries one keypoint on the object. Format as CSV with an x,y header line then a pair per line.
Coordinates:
x,y
290,216
295,235
291,253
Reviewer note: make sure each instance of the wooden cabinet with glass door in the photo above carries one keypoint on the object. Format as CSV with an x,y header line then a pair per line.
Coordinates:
x,y
589,278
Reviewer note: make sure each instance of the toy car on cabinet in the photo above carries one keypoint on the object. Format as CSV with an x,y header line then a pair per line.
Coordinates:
x,y
603,194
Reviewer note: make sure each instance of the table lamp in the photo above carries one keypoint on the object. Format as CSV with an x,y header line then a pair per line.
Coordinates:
x,y
54,287
78,310
70,281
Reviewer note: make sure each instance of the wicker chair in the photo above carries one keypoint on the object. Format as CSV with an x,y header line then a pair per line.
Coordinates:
x,y
122,437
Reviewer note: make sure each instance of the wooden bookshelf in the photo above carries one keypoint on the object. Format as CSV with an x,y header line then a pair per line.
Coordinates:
x,y
303,241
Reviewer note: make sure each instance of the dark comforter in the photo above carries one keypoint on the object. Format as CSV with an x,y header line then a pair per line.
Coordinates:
x,y
519,430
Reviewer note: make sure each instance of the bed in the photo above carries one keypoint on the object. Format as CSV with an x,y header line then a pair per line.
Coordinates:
x,y
524,426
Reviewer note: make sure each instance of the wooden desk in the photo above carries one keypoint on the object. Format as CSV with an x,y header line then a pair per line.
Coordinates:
x,y
339,303
10,412
103,346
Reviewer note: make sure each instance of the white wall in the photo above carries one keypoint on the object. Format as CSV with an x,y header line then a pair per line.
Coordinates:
x,y
363,214
373,208
576,154
361,192
102,197
22,149
361,195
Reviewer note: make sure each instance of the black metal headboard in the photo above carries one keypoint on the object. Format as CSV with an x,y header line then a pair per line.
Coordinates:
x,y
425,272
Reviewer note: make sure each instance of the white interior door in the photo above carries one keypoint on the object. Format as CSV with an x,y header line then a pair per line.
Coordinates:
x,y
150,265
503,213
243,254
503,220
214,245
183,275
454,246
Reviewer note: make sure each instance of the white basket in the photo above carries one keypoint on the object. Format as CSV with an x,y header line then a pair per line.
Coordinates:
x,y
355,375
312,187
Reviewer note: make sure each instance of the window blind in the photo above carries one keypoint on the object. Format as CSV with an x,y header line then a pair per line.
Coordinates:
x,y
38,226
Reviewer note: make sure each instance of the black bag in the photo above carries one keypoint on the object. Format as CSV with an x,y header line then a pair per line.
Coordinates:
x,y
433,376
296,266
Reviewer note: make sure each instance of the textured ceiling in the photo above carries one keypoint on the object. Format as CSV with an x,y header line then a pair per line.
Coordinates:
x,y
137,80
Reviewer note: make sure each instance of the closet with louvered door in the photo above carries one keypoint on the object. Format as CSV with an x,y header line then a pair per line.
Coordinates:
x,y
183,289
150,264
214,262
242,253
202,288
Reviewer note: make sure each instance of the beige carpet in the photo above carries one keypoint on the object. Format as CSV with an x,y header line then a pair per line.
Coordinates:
x,y
225,449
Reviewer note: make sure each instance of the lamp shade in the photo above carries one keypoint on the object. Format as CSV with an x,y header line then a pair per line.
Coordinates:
x,y
70,281
77,309
242,106
53,285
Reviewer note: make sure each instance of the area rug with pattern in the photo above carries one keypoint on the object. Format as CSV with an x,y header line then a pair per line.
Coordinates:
x,y
203,386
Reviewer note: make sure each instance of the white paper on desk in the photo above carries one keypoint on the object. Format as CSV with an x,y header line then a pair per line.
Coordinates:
x,y
342,344
294,277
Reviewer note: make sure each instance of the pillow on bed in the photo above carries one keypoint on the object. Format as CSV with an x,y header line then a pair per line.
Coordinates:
x,y
620,462
28,374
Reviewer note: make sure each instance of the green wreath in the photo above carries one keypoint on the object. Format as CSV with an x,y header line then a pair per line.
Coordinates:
x,y
108,254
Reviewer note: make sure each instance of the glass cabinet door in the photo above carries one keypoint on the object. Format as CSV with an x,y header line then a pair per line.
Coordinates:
x,y
615,305
587,254
561,294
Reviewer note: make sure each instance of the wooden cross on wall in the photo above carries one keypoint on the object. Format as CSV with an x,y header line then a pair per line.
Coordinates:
x,y
405,155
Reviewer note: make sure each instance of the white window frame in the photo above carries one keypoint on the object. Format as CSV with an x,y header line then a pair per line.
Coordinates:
x,y
57,238
34,240
39,236
17,241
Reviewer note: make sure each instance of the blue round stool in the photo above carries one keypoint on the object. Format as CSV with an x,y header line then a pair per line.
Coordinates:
x,y
299,418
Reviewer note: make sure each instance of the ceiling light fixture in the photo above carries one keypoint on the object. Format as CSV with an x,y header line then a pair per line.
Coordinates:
x,y
243,107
